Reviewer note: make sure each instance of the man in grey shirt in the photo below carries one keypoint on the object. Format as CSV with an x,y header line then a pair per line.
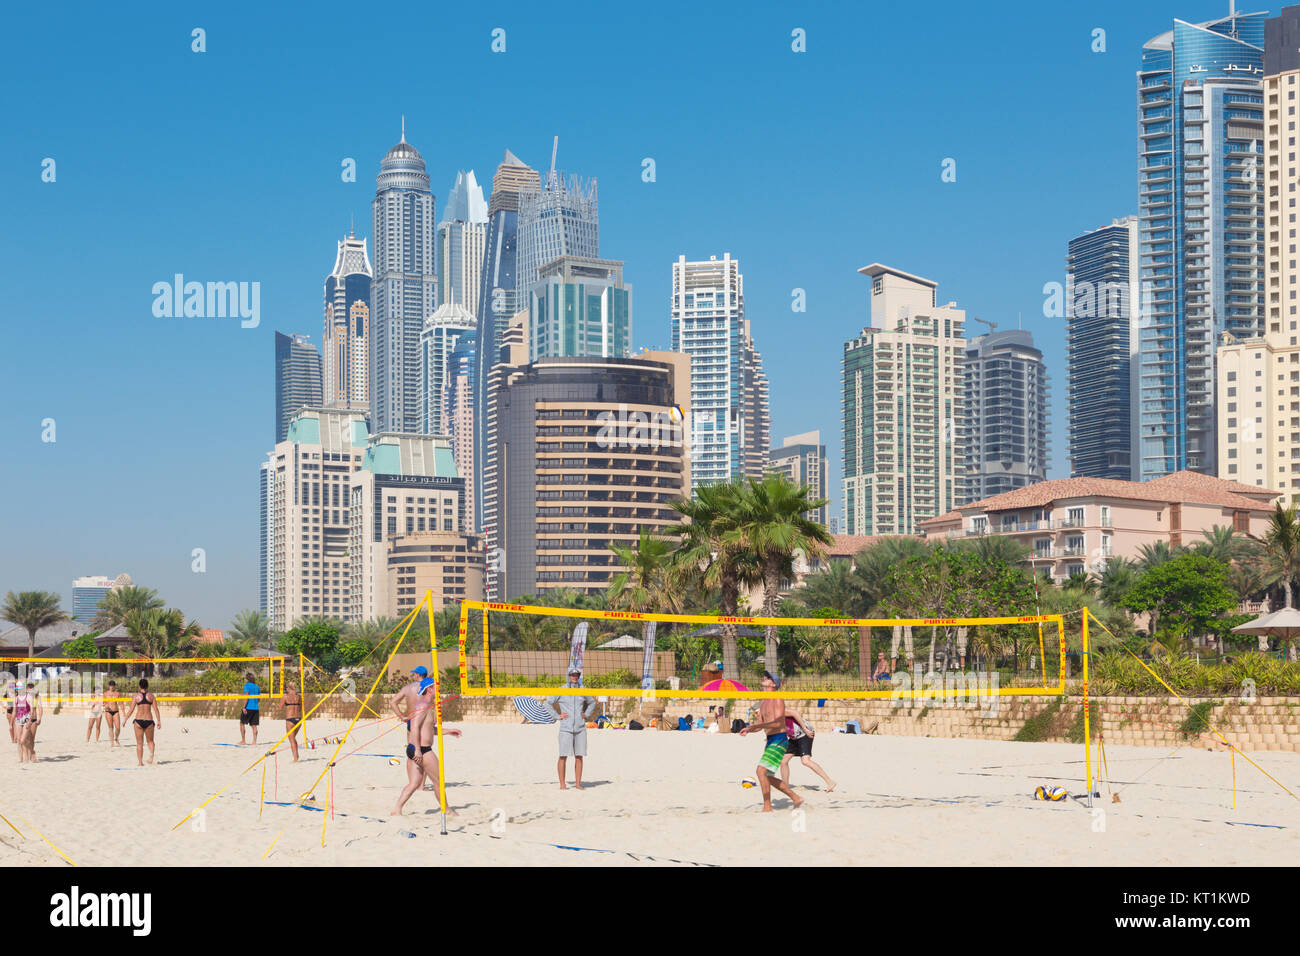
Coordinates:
x,y
573,712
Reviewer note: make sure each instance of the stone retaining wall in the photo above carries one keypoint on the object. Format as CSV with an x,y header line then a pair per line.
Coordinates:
x,y
1267,723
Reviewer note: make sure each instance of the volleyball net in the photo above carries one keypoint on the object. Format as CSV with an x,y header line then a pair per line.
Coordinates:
x,y
506,648
79,681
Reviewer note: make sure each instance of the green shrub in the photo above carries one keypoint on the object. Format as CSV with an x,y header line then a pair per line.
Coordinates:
x,y
1040,726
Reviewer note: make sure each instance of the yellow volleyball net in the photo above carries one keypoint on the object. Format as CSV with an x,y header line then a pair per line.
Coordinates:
x,y
80,681
507,648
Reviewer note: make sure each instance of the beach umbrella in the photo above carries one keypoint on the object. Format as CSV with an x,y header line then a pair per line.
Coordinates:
x,y
534,710
1284,624
724,684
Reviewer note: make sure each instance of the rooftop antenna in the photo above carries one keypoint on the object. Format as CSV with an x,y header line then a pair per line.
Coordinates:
x,y
555,148
352,225
403,127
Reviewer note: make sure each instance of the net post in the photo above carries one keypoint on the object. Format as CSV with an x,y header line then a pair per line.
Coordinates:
x,y
460,648
302,699
487,661
437,712
1087,736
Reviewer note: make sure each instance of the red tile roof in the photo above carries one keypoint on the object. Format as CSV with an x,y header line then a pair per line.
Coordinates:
x,y
847,545
210,636
947,517
1178,487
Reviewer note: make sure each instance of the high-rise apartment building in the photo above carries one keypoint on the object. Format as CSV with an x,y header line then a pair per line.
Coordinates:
x,y
558,218
499,294
1200,105
903,407
1005,431
265,559
1102,305
731,424
580,307
405,287
407,508
585,452
802,459
309,527
345,351
87,592
297,379
458,414
438,339
1258,387
462,236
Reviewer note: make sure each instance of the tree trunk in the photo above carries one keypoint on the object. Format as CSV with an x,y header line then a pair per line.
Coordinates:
x,y
961,646
31,643
730,658
865,667
934,636
771,583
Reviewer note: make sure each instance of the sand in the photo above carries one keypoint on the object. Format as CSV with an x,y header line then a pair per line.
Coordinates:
x,y
651,798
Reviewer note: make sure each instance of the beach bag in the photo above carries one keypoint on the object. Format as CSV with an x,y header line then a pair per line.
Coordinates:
x,y
634,725
683,723
737,725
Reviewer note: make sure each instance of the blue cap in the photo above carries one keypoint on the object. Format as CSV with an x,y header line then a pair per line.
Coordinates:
x,y
421,670
426,684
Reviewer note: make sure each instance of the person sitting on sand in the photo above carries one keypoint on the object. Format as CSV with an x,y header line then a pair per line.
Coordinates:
x,y
771,712
800,745
151,718
882,668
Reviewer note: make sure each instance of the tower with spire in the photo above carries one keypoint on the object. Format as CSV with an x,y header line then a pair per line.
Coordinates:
x,y
404,289
346,343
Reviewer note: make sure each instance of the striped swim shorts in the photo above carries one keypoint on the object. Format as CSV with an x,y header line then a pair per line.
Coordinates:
x,y
772,754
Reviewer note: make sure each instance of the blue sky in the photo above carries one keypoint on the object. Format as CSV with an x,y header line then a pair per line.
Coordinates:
x,y
225,166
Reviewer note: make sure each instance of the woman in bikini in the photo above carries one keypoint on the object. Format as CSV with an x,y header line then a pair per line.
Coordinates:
x,y
94,714
27,716
144,724
112,707
9,712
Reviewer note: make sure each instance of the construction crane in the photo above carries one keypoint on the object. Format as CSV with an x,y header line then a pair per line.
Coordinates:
x,y
992,325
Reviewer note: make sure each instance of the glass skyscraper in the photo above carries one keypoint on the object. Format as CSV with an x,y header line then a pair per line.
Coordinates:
x,y
437,340
499,293
404,290
461,236
297,379
579,308
1005,391
345,352
1101,305
561,218
1200,200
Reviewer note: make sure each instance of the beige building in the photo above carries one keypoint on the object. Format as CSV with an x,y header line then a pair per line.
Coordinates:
x,y
1258,380
309,477
407,487
903,406
802,459
447,563
1075,525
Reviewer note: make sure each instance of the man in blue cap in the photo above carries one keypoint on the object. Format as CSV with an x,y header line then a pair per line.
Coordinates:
x,y
422,731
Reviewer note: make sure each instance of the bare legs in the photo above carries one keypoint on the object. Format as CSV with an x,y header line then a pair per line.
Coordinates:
x,y
767,782
293,737
811,765
141,736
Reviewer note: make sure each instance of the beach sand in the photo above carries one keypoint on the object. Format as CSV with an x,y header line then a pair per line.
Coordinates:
x,y
651,798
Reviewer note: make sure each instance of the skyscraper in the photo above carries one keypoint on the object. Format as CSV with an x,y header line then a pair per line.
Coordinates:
x,y
802,459
904,407
266,520
1102,303
405,287
1258,388
437,340
580,307
1200,116
308,525
462,235
458,416
498,297
87,592
297,379
560,218
731,427
346,345
1006,414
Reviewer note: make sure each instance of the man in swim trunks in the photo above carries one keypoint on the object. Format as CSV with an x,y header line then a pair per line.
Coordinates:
x,y
406,701
771,720
251,715
421,762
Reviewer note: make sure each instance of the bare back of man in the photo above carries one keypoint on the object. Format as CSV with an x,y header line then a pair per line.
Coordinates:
x,y
421,761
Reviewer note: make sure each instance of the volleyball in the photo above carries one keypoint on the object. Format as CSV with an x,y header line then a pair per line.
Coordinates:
x,y
749,783
394,762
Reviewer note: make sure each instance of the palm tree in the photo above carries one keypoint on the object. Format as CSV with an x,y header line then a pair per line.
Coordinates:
x,y
119,602
251,626
646,584
771,522
998,549
148,631
372,632
1281,555
1224,545
1120,575
837,586
711,555
32,610
1156,553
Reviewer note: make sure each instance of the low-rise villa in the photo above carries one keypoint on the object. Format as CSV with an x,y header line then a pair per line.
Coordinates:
x,y
1075,525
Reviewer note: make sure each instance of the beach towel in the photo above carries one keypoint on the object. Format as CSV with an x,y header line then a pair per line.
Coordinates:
x,y
534,710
